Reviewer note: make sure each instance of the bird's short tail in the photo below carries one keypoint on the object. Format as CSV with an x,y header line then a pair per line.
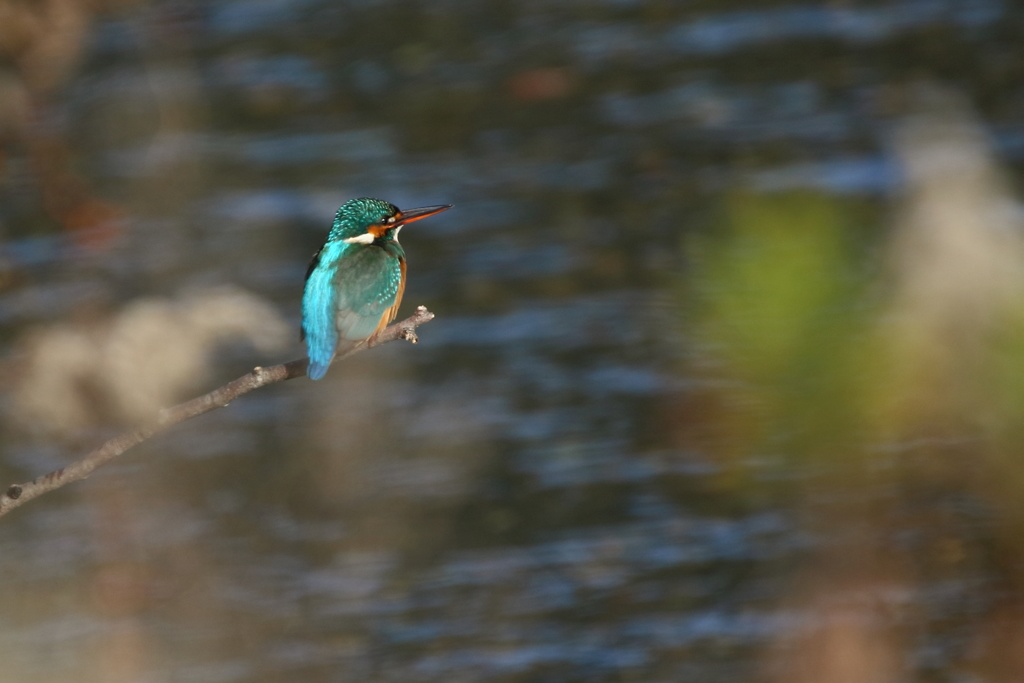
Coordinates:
x,y
317,370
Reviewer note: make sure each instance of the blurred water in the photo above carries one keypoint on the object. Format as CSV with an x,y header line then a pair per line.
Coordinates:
x,y
511,499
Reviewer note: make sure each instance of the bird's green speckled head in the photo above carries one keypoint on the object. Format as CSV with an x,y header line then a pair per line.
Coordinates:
x,y
369,221
357,216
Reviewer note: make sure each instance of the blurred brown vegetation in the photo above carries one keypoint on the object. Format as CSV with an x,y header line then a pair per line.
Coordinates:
x,y
44,42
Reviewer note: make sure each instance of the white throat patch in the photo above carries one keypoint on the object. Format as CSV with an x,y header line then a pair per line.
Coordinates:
x,y
365,238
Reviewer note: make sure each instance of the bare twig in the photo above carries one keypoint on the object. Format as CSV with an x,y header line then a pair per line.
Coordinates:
x,y
19,494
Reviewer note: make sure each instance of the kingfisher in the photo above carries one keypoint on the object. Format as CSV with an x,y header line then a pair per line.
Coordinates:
x,y
355,282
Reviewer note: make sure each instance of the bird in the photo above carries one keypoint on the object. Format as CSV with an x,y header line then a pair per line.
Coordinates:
x,y
356,280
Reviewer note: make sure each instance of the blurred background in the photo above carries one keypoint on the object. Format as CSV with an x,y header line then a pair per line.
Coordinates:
x,y
726,382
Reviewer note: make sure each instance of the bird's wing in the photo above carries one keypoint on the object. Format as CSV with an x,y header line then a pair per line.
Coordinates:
x,y
368,285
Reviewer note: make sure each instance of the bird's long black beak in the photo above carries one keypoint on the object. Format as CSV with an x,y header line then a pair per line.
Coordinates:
x,y
410,215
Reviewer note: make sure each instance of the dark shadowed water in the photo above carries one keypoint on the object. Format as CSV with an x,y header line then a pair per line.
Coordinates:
x,y
524,496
